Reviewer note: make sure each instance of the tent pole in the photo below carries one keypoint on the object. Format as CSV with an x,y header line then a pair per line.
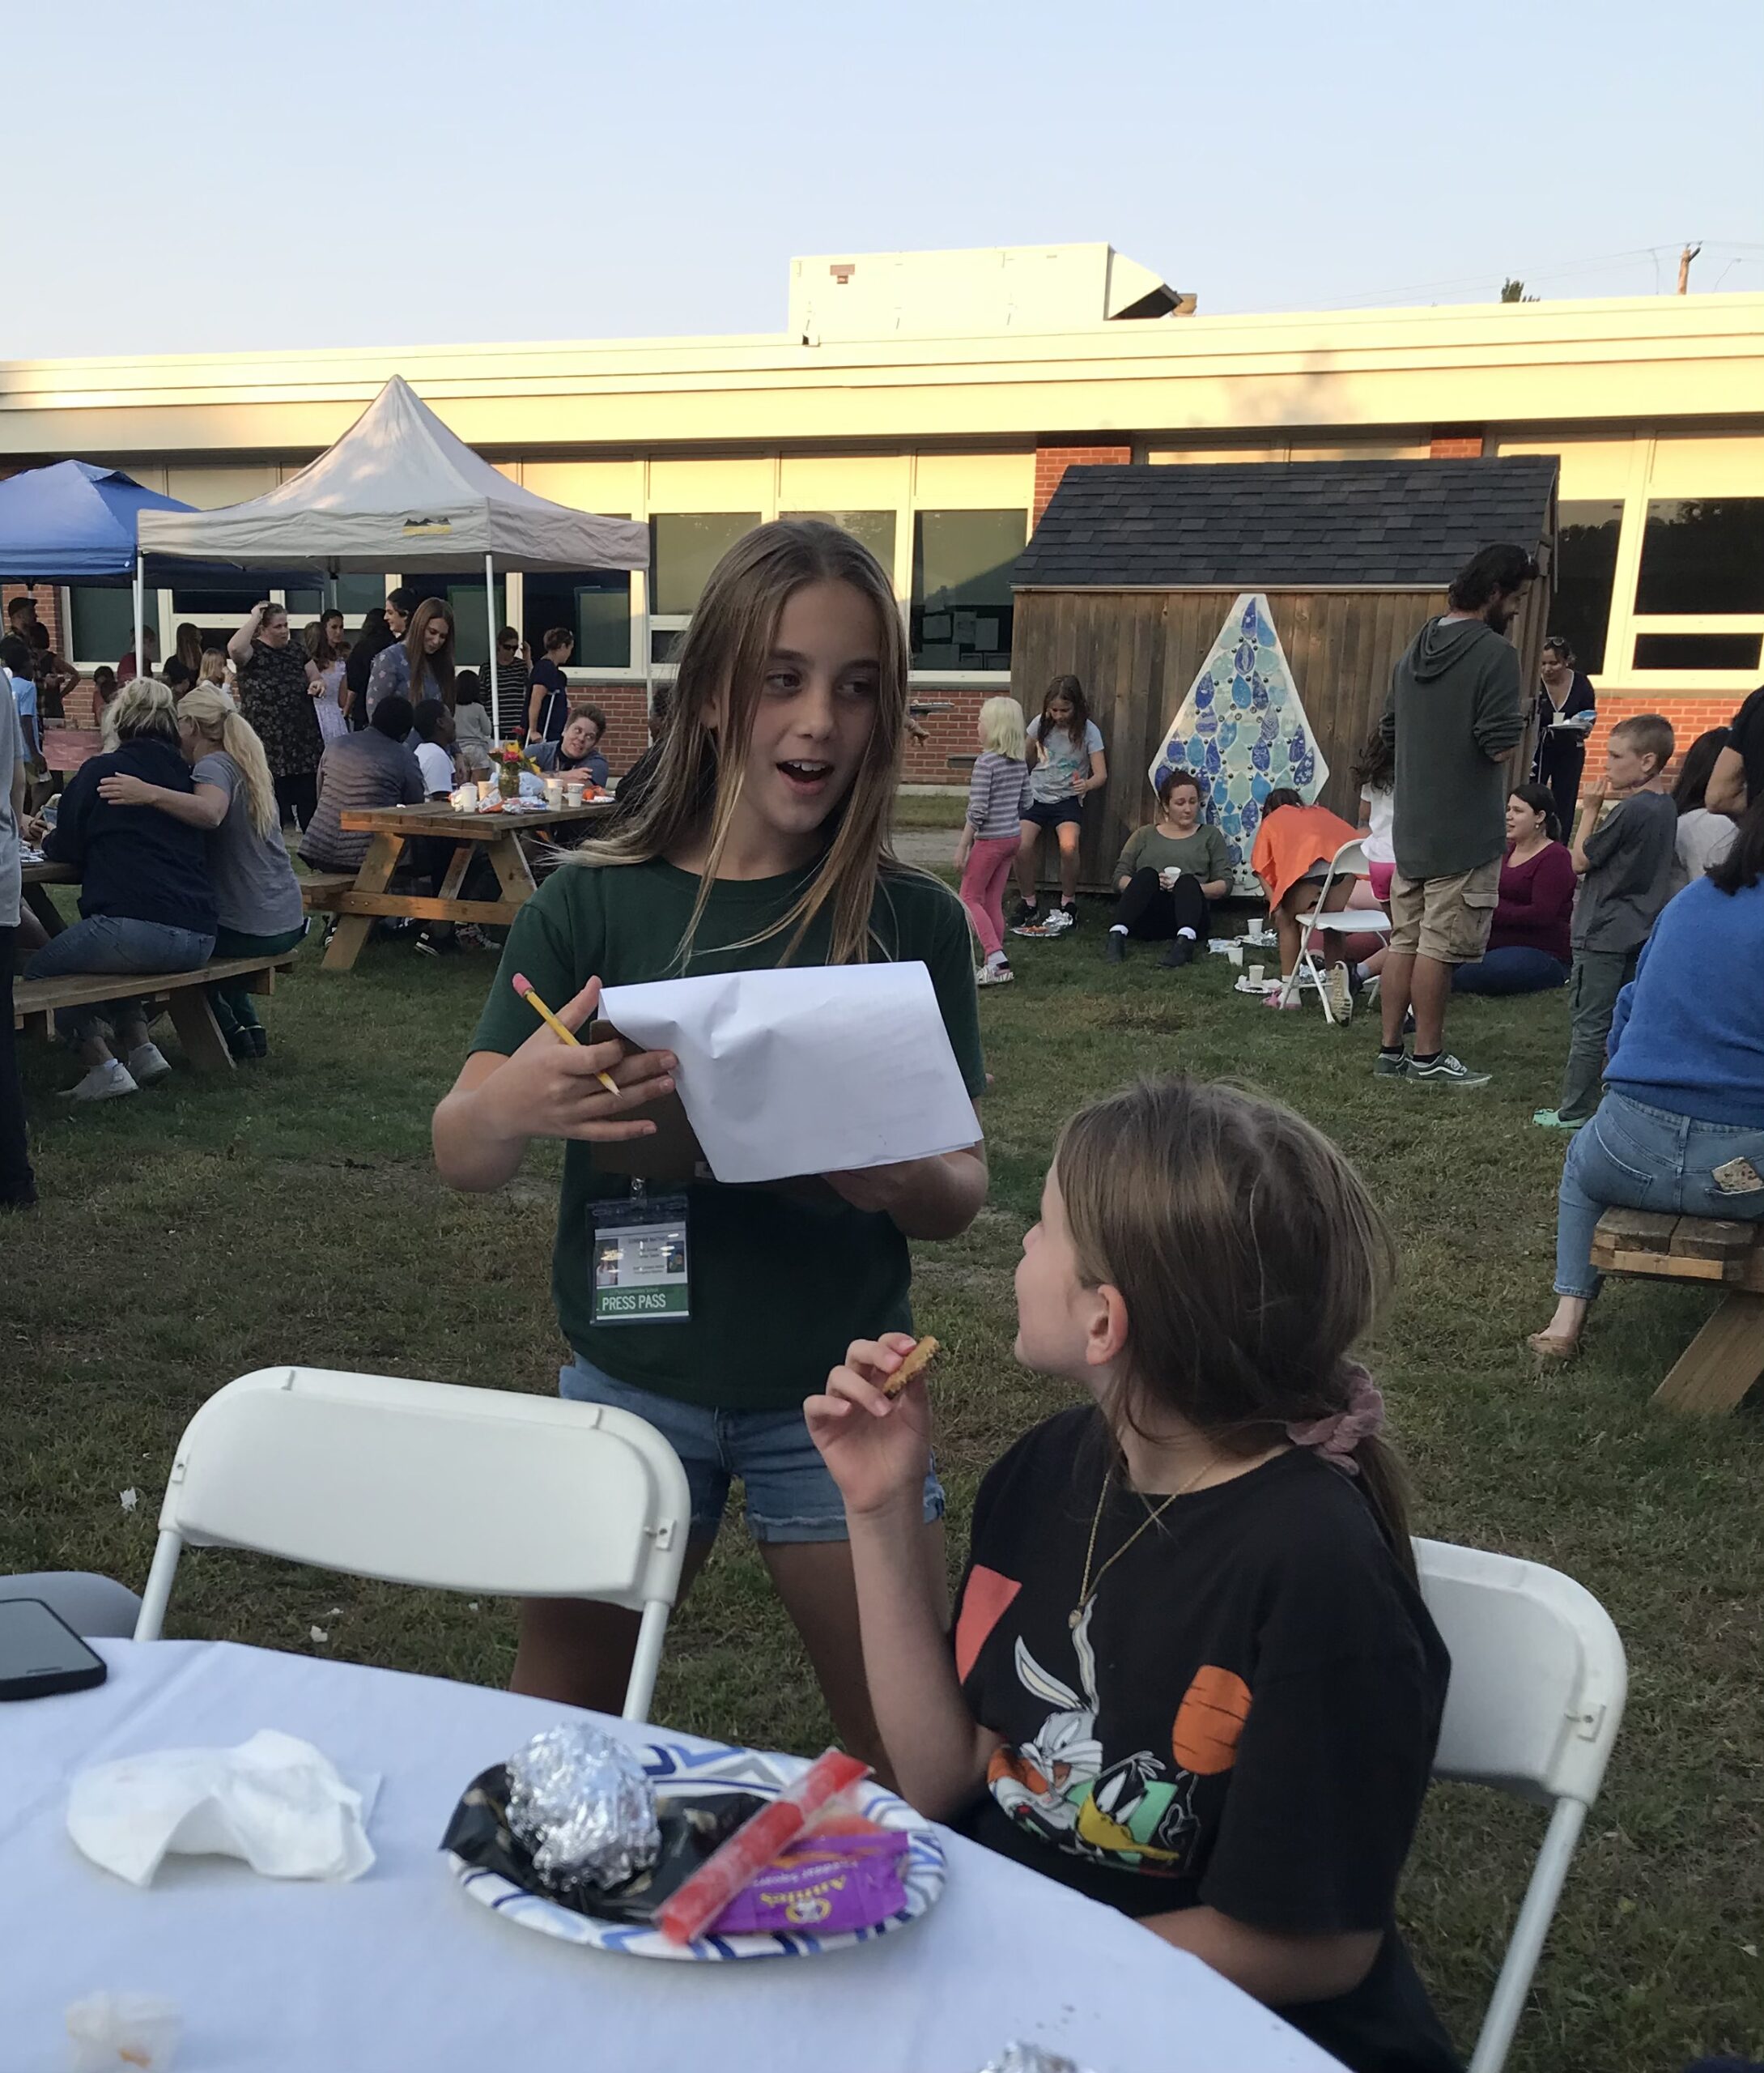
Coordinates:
x,y
490,622
140,612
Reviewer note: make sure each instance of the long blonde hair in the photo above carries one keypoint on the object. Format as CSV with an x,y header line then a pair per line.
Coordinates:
x,y
217,720
1251,1260
1002,728
700,769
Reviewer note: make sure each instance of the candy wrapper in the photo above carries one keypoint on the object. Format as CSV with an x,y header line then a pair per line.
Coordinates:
x,y
823,1885
584,1806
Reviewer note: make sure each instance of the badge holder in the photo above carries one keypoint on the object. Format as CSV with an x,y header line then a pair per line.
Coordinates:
x,y
641,1271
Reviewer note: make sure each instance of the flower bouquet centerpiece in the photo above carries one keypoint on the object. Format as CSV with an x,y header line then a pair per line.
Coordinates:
x,y
508,759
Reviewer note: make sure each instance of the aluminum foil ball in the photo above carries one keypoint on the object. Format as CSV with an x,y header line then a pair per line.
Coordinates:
x,y
582,1803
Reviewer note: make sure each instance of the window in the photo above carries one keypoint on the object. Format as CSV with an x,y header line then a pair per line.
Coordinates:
x,y
1703,555
1697,651
102,622
1586,562
874,529
471,637
594,604
961,562
685,547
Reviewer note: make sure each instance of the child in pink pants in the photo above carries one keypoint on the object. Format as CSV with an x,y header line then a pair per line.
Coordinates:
x,y
997,794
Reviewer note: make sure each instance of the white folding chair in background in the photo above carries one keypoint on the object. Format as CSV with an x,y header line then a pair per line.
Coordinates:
x,y
1538,1681
1348,861
483,1491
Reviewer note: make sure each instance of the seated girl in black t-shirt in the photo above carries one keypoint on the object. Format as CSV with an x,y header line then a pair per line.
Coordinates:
x,y
1190,1672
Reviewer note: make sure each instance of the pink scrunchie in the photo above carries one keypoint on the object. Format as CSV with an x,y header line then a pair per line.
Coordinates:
x,y
1336,1437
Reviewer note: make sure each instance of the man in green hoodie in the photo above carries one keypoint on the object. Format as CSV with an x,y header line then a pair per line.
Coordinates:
x,y
1454,718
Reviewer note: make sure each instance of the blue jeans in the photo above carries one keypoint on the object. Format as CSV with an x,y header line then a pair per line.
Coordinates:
x,y
1516,967
1641,1158
113,942
789,1494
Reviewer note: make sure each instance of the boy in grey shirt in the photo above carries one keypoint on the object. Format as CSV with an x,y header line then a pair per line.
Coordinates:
x,y
1625,862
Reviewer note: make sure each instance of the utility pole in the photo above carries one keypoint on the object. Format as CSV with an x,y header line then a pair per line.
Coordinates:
x,y
1684,258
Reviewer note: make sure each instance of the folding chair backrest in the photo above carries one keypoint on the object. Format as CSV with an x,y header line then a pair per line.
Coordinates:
x,y
1538,1681
462,1489
1538,1674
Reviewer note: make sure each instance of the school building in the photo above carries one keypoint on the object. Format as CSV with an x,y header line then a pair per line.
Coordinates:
x,y
929,402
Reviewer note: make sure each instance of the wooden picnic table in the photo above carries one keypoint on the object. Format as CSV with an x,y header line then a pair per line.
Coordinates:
x,y
1726,1357
37,877
496,836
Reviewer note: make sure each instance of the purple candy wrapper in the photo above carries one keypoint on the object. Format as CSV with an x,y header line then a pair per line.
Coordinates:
x,y
823,1885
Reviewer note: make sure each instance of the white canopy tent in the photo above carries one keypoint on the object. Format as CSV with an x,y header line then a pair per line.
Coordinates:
x,y
398,492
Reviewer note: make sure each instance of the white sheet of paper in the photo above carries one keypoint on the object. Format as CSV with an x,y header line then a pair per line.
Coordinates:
x,y
819,1069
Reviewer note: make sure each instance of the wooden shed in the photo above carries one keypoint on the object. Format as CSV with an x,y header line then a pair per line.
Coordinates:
x,y
1315,574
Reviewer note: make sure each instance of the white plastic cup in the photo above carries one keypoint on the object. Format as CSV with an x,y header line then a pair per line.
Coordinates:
x,y
1254,975
466,796
1168,878
554,791
573,794
1234,951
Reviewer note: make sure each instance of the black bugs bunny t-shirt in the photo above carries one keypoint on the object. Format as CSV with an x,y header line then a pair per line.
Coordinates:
x,y
1243,1716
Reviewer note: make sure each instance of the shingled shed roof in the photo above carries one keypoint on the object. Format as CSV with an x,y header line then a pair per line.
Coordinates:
x,y
1260,524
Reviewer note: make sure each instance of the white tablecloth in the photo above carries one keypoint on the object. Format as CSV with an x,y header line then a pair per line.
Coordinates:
x,y
401,1970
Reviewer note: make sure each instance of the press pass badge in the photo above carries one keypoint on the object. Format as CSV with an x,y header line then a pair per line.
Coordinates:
x,y
640,1274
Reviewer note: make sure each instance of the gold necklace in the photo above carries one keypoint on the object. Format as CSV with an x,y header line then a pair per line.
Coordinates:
x,y
1087,1590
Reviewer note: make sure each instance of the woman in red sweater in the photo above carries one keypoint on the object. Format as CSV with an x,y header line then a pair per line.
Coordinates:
x,y
1528,950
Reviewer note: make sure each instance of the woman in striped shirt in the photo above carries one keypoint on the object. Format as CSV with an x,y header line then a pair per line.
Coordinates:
x,y
998,799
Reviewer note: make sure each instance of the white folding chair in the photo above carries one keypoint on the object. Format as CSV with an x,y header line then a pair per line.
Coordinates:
x,y
483,1491
1348,861
1538,1681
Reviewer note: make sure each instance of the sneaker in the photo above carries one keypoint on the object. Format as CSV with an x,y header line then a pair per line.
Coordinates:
x,y
238,1043
994,975
1338,992
260,1041
1180,953
1391,1066
1023,914
1068,911
148,1063
1114,947
469,936
1552,1119
1446,1071
108,1081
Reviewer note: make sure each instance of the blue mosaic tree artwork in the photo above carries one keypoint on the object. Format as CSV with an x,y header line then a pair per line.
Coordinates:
x,y
1244,727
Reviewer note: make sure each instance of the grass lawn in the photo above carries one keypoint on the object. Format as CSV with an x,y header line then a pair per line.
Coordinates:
x,y
944,809
291,1214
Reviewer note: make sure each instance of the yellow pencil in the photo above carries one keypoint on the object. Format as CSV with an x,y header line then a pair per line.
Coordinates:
x,y
523,986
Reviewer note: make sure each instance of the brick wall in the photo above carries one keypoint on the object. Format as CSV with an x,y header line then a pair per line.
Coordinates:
x,y
49,608
626,706
1053,462
953,733
1690,713
1456,446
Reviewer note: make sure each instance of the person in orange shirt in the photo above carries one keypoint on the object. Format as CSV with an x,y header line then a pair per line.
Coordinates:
x,y
1293,849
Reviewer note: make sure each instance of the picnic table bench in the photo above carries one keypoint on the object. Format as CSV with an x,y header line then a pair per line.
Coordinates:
x,y
361,899
1726,1357
185,994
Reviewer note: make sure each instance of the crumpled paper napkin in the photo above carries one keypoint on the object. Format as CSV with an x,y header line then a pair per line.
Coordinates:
x,y
274,1801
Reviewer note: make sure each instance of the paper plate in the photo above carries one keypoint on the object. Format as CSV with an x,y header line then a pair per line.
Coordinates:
x,y
735,1770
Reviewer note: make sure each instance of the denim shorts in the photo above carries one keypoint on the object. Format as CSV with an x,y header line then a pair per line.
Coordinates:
x,y
1049,813
789,1494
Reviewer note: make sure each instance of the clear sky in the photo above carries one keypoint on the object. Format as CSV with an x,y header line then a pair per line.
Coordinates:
x,y
192,175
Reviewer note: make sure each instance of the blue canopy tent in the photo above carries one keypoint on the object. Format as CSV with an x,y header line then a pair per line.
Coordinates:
x,y
74,522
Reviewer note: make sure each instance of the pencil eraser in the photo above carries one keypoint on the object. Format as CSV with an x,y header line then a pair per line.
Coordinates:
x,y
521,983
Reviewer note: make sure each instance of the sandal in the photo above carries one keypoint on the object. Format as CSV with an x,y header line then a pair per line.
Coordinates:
x,y
1547,1347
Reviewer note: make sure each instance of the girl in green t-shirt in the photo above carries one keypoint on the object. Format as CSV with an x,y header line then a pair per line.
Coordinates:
x,y
761,840
1169,874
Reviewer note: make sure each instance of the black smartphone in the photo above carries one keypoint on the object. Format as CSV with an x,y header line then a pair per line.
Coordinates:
x,y
41,1654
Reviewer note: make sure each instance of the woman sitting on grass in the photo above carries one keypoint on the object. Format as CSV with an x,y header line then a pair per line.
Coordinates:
x,y
256,895
145,904
1680,1128
1190,1674
1168,876
1294,846
1529,951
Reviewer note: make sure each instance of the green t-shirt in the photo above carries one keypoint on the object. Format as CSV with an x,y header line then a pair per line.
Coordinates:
x,y
779,1286
1201,855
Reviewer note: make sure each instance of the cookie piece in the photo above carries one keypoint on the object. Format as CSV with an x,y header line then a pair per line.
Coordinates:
x,y
914,1364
